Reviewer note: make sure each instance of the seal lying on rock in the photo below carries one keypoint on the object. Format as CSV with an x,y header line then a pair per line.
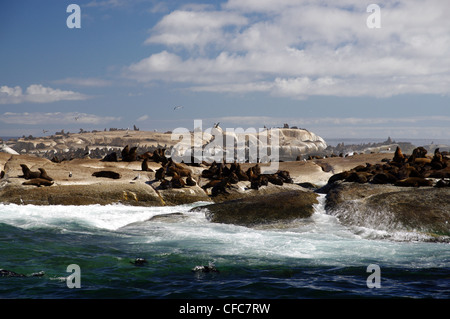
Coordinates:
x,y
38,182
107,174
44,175
414,182
402,170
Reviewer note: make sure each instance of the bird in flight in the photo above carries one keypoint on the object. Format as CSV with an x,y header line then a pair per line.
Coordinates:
x,y
178,107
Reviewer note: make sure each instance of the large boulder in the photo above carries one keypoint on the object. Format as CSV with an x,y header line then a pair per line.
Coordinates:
x,y
424,210
92,194
281,207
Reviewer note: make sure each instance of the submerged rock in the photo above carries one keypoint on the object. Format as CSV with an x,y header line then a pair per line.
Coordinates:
x,y
272,208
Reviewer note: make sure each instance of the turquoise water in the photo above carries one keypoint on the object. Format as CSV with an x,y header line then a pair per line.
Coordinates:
x,y
313,258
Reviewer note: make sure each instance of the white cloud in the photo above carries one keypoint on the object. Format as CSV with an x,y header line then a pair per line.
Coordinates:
x,y
89,82
107,3
357,127
334,121
298,48
36,93
143,118
194,29
37,118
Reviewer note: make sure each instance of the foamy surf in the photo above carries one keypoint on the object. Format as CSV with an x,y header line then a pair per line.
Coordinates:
x,y
312,256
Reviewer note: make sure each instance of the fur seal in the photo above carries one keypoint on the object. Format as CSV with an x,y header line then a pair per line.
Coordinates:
x,y
414,182
38,182
56,160
160,173
177,181
144,166
210,268
383,178
28,174
419,152
179,169
139,262
442,183
165,184
44,175
220,188
125,152
398,156
190,181
107,174
110,157
129,154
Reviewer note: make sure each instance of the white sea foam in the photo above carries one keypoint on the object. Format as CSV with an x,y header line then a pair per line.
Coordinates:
x,y
320,239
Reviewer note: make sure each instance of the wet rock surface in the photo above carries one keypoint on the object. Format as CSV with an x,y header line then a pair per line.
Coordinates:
x,y
252,211
424,210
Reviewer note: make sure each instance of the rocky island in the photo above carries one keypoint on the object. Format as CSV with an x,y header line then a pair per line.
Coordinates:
x,y
381,190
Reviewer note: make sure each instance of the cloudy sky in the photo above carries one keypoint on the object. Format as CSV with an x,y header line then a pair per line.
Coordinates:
x,y
243,63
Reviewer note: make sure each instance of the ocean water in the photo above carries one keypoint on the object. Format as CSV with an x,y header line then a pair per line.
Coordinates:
x,y
314,258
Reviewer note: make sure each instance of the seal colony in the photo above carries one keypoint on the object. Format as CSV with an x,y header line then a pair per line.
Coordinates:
x,y
295,185
415,170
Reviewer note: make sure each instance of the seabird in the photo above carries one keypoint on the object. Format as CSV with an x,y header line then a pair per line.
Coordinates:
x,y
178,107
70,174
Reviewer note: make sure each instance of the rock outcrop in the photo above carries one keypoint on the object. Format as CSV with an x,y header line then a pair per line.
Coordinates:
x,y
424,211
252,211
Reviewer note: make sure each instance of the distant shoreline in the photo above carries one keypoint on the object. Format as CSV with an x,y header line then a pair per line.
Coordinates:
x,y
336,140
414,141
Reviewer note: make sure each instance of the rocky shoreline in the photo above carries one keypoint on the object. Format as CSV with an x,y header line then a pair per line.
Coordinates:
x,y
358,188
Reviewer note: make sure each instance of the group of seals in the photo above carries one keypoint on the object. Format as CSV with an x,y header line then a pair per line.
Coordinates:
x,y
412,171
222,176
129,154
40,178
181,175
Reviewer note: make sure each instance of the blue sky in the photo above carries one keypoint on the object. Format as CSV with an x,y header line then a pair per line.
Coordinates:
x,y
246,63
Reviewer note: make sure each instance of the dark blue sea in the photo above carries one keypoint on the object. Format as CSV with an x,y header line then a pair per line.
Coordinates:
x,y
315,258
